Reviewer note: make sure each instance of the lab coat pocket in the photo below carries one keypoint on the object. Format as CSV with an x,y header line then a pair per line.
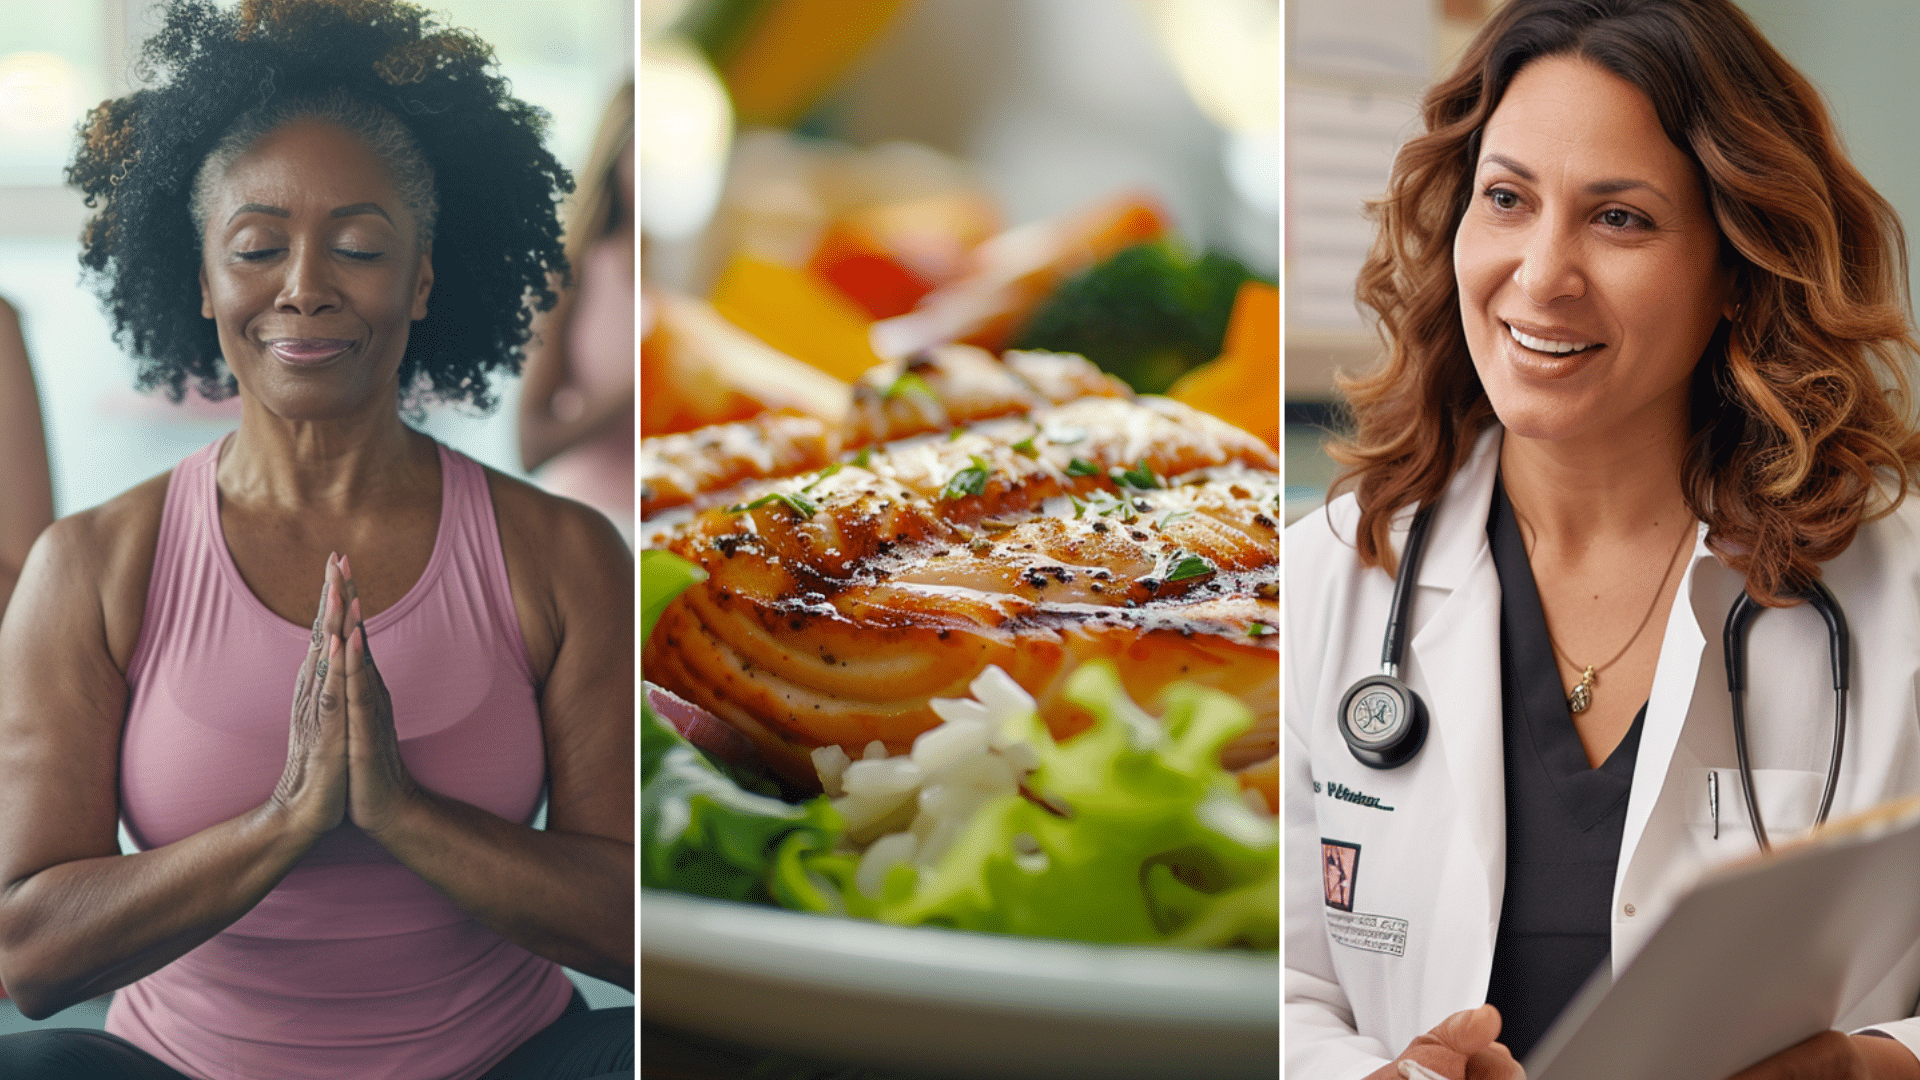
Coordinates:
x,y
1716,804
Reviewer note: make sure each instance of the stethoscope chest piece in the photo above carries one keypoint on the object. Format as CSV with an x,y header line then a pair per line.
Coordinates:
x,y
1383,721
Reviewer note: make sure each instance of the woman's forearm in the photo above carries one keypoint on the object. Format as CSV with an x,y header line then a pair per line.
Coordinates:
x,y
78,929
565,896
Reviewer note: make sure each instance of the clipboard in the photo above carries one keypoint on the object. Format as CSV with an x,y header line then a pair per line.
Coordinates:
x,y
1837,911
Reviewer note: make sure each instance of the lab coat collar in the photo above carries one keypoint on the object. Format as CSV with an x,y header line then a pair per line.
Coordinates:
x,y
1458,538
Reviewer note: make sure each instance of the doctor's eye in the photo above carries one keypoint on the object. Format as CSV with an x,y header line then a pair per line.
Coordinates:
x,y
1503,198
1617,218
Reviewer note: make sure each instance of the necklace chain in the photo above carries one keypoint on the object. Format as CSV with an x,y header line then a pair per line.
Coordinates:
x,y
1581,695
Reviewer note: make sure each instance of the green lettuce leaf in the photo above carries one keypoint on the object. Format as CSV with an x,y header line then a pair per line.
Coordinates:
x,y
1159,846
700,832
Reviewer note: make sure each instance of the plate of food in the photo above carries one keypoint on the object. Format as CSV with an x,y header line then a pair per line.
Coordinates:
x,y
929,1002
959,738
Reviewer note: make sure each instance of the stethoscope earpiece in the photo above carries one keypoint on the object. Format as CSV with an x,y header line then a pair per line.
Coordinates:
x,y
1383,721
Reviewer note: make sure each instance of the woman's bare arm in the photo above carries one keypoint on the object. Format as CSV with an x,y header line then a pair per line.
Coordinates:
x,y
26,490
77,918
565,893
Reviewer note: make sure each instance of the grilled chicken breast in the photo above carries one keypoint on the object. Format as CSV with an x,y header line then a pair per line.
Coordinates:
x,y
839,602
934,391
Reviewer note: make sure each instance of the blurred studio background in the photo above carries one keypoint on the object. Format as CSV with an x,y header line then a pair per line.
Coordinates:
x,y
58,60
836,183
1355,71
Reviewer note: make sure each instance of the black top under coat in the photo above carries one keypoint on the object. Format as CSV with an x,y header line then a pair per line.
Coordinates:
x,y
1564,819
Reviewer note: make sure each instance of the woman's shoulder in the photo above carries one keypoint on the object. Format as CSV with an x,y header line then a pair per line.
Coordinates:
x,y
123,527
560,526
104,554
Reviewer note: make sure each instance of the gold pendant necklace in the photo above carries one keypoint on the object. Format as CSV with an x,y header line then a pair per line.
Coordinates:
x,y
1581,696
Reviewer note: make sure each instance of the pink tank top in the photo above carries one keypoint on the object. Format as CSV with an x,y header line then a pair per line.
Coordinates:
x,y
353,965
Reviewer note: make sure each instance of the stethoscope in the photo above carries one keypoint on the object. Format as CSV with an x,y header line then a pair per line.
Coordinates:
x,y
1385,723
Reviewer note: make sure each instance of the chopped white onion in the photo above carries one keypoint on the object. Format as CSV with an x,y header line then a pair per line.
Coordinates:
x,y
948,743
830,762
881,776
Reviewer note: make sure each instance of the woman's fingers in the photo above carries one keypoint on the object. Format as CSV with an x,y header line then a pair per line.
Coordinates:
x,y
333,700
316,648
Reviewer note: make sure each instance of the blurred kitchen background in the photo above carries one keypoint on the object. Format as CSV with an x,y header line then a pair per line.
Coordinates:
x,y
57,61
848,181
1355,70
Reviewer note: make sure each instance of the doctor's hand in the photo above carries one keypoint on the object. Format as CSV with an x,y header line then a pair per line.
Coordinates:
x,y
1832,1055
1461,1047
378,783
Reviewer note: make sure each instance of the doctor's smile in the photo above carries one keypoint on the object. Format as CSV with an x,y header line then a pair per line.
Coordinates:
x,y
1616,588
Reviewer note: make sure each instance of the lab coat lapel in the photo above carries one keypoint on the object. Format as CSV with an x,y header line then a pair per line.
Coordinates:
x,y
1675,683
1454,660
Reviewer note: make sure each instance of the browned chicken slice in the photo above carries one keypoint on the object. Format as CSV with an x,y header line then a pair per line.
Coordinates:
x,y
838,603
952,385
949,386
677,469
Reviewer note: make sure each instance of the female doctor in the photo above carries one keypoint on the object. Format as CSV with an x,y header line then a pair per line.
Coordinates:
x,y
1646,349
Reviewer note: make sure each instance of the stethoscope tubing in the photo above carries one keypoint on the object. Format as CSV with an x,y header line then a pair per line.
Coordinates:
x,y
1733,639
1839,651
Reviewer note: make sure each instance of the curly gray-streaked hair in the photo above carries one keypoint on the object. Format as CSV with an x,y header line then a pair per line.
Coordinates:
x,y
383,133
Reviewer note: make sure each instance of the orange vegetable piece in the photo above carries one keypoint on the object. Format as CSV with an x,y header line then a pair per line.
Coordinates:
x,y
797,313
1242,387
696,369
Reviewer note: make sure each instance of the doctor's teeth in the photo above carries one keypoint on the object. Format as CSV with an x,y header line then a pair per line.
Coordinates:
x,y
1548,345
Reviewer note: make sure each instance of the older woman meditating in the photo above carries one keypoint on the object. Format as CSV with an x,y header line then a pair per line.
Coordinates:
x,y
336,211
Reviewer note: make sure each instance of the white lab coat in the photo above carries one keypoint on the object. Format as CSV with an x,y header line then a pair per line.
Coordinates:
x,y
1426,884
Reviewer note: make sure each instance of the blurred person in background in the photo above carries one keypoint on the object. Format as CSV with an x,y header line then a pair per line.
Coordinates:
x,y
335,211
576,404
26,492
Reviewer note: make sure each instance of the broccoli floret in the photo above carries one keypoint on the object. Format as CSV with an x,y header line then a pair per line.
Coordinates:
x,y
1148,314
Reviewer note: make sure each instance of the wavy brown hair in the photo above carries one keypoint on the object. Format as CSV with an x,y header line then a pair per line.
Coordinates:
x,y
1800,406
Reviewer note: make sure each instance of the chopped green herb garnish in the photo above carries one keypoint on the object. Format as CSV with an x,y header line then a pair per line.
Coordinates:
x,y
1175,516
824,473
1140,476
1079,508
909,384
864,458
1260,629
795,503
1082,467
971,480
1190,566
1025,448
954,435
